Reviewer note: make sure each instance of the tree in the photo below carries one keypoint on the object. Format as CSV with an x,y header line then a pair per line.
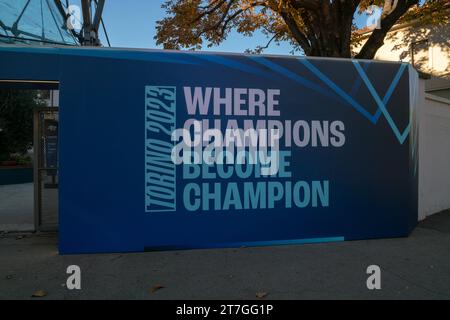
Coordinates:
x,y
16,120
315,27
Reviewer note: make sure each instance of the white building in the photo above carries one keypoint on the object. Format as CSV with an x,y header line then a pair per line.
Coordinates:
x,y
426,47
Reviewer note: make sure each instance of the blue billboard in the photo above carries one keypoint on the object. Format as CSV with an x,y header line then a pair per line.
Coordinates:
x,y
169,150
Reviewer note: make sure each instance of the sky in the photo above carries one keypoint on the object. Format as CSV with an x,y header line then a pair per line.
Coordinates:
x,y
132,24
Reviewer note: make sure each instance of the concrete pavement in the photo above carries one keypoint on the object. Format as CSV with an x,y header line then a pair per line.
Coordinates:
x,y
417,267
16,207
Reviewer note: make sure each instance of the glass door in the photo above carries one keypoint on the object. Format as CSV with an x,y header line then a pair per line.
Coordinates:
x,y
46,170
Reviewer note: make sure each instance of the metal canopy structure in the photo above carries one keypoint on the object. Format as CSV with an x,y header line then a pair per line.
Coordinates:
x,y
34,21
46,22
92,17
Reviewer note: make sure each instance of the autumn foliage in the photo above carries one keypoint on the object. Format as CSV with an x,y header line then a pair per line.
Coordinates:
x,y
314,27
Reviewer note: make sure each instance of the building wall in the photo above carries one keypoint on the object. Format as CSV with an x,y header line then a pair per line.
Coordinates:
x,y
428,46
434,155
438,87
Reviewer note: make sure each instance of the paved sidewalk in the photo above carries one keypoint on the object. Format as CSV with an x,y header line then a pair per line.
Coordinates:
x,y
16,207
413,267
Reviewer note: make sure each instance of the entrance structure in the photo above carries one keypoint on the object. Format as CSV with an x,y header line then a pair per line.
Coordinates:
x,y
166,149
46,123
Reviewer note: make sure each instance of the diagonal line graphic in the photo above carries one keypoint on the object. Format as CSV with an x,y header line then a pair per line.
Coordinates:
x,y
291,75
358,81
400,136
380,103
338,90
394,83
372,118
230,63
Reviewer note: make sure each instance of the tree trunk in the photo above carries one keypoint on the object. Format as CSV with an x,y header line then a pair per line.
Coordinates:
x,y
328,28
376,39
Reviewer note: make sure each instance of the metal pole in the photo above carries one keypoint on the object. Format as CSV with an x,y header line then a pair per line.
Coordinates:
x,y
86,9
98,15
36,165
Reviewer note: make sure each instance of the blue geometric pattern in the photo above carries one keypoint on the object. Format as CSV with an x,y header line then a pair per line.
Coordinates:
x,y
373,118
293,76
381,104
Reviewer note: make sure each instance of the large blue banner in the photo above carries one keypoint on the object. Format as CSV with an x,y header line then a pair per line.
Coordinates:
x,y
166,150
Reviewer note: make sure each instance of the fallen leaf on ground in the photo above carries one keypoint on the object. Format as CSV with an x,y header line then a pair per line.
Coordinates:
x,y
116,257
261,295
39,294
156,288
